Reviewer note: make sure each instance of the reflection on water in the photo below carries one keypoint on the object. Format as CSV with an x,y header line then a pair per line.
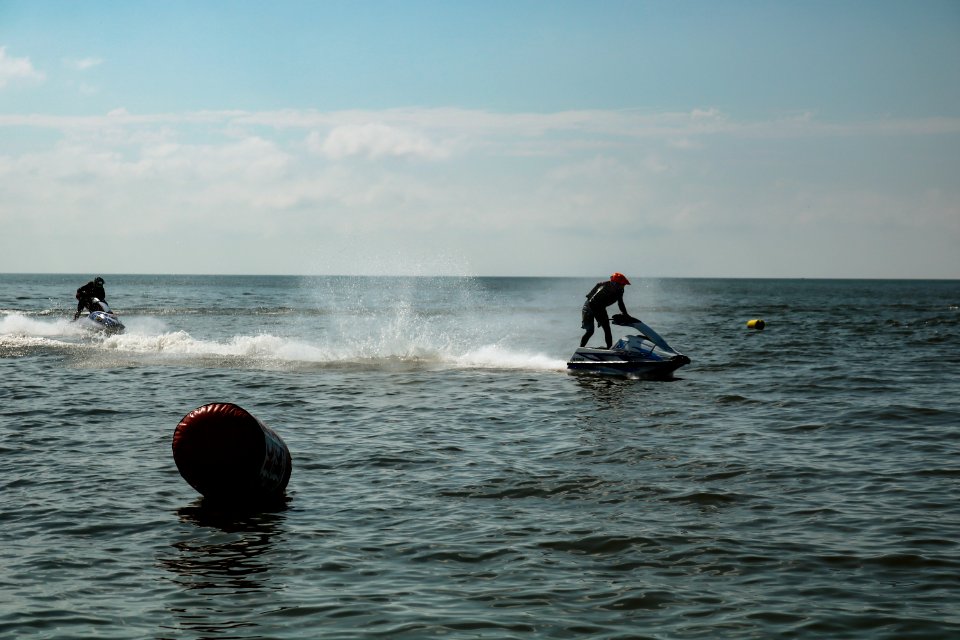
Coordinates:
x,y
607,391
228,552
223,558
229,518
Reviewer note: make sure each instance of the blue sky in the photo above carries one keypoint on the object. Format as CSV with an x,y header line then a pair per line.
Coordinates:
x,y
806,139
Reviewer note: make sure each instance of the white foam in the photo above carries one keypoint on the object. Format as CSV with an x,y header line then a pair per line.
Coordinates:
x,y
20,342
282,350
17,324
145,325
405,339
496,357
182,343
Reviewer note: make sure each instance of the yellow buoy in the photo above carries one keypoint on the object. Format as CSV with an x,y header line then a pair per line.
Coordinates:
x,y
756,323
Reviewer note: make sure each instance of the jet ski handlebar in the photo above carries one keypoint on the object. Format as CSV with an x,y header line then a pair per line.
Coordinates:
x,y
624,320
646,332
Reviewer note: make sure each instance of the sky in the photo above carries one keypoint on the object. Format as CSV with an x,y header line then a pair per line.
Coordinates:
x,y
493,138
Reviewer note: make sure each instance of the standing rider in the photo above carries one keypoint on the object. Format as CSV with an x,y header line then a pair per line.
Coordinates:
x,y
600,297
87,293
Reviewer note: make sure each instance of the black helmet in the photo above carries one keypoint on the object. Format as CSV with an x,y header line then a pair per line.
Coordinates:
x,y
98,280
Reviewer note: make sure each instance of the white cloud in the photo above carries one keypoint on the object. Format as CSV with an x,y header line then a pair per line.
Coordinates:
x,y
82,64
514,190
684,143
374,140
12,69
705,114
435,133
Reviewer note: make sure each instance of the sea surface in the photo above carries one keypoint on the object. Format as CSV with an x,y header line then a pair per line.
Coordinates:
x,y
452,480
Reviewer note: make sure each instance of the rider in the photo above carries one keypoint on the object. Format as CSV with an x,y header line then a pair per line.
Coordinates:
x,y
600,297
87,293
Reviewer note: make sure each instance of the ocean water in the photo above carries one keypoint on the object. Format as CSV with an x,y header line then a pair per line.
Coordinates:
x,y
451,478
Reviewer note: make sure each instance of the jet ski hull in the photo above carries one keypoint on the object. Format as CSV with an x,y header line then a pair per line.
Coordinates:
x,y
644,355
104,322
624,363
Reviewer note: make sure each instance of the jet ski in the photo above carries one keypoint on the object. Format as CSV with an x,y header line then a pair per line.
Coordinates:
x,y
102,318
645,355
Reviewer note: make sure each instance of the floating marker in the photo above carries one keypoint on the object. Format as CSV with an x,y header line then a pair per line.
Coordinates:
x,y
228,455
756,324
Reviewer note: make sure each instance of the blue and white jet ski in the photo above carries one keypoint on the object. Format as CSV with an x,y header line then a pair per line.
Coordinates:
x,y
646,355
102,318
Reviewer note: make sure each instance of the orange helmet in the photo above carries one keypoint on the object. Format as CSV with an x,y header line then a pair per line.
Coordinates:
x,y
619,278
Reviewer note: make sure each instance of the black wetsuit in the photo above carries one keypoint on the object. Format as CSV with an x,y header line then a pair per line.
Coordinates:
x,y
600,297
86,294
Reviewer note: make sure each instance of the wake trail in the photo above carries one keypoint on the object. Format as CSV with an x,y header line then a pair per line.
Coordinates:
x,y
152,339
